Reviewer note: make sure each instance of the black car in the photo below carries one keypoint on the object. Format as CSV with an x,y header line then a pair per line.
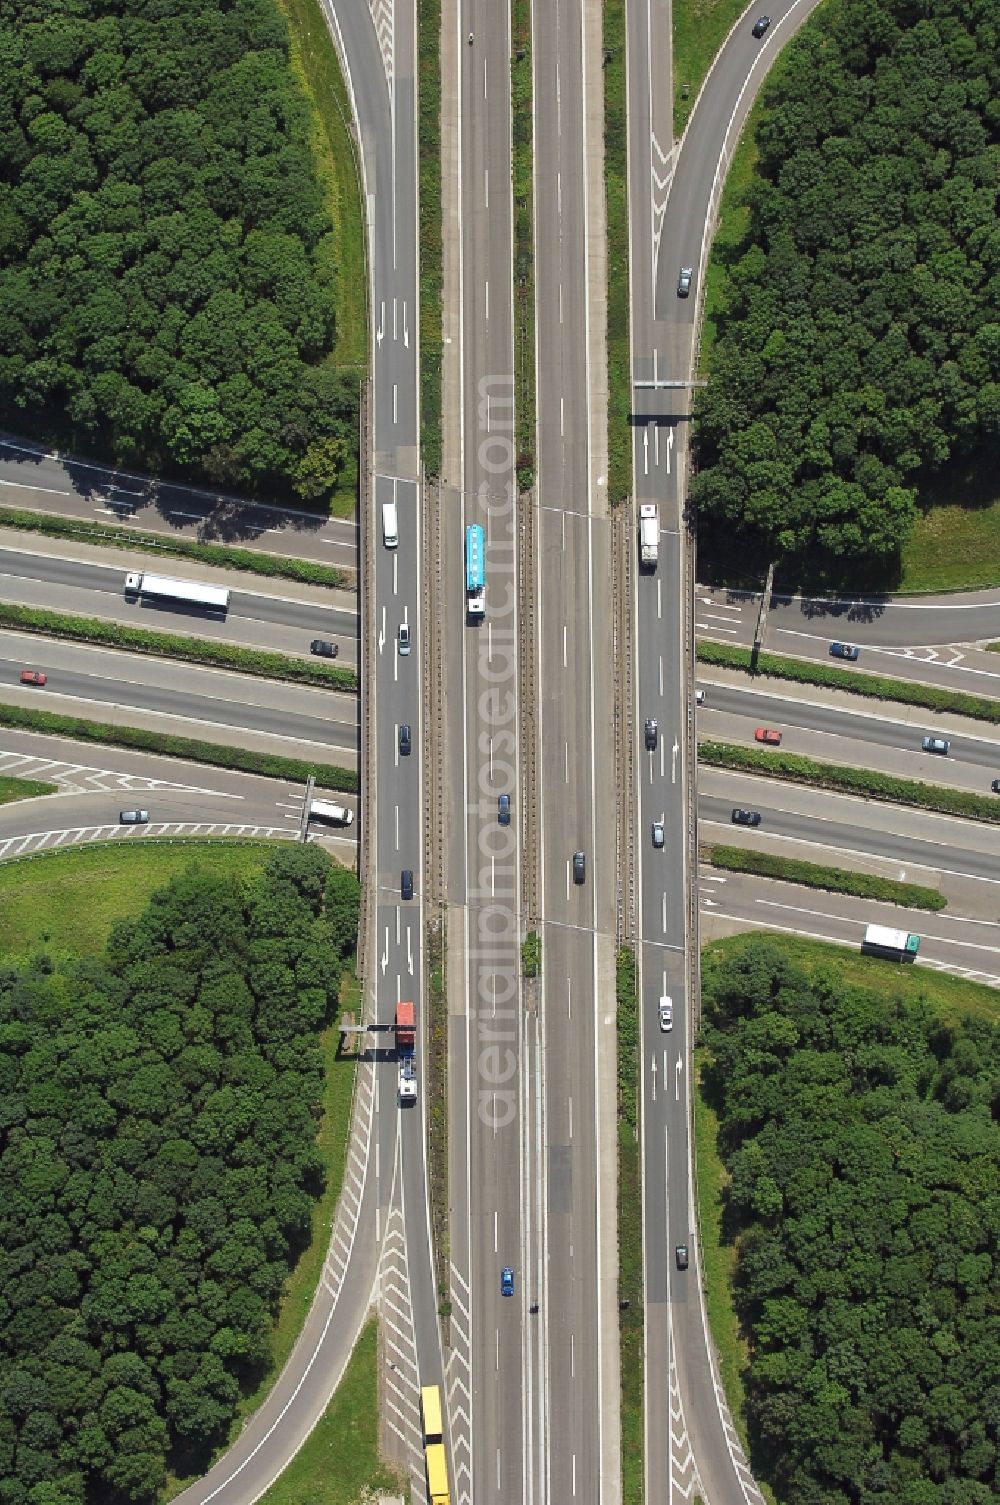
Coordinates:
x,y
503,809
995,786
406,883
133,817
579,867
760,25
652,733
323,649
681,1256
845,650
404,740
684,281
746,817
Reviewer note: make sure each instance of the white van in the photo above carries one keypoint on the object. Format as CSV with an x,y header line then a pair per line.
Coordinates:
x,y
339,815
390,527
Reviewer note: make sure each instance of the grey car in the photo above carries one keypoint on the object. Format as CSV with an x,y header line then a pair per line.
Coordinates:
x,y
579,867
658,834
404,740
684,282
133,817
936,745
323,649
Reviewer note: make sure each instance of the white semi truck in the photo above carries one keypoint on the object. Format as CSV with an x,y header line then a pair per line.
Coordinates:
x,y
183,592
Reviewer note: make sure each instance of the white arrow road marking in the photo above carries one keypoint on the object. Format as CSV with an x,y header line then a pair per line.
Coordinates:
x,y
645,451
409,951
670,445
677,1079
380,335
381,635
385,953
654,1078
673,762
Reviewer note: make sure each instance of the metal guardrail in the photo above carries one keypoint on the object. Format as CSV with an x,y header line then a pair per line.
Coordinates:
x,y
366,679
530,815
622,586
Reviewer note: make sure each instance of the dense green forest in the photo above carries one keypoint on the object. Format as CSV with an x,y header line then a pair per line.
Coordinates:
x,y
168,272
863,1146
859,344
157,1173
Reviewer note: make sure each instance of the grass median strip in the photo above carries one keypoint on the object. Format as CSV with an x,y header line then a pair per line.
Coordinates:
x,y
524,241
794,768
855,681
431,234
630,1288
616,189
113,536
256,661
835,880
23,789
164,745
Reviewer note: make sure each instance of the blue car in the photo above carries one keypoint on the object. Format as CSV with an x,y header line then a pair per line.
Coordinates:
x,y
844,650
506,1281
503,809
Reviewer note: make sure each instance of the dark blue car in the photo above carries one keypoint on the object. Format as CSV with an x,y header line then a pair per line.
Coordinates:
x,y
506,1281
844,650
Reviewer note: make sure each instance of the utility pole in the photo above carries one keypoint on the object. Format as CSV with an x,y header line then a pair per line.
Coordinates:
x,y
765,601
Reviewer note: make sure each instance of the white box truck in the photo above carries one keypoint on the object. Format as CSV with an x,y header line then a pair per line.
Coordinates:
x,y
337,815
649,534
178,592
898,945
390,525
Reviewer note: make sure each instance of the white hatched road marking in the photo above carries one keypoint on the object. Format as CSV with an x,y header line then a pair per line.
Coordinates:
x,y
37,841
382,18
79,778
401,1380
458,1387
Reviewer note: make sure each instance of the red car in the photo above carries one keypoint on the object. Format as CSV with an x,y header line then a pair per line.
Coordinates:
x,y
33,677
769,735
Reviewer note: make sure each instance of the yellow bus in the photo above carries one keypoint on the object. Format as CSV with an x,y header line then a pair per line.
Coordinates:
x,y
430,1411
435,1458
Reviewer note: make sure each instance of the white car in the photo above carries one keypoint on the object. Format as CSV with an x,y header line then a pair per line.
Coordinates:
x,y
699,697
666,1015
404,638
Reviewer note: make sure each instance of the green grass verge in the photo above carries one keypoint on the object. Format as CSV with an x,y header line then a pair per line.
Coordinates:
x,y
43,896
269,765
796,769
857,681
955,544
950,997
112,536
339,1463
331,1142
531,954
431,233
316,66
835,880
699,29
718,1259
23,789
524,241
256,661
728,245
630,1289
616,190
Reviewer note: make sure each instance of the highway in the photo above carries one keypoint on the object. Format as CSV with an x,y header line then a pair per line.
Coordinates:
x,y
825,825
185,699
862,734
36,480
493,1377
572,589
279,615
672,197
933,640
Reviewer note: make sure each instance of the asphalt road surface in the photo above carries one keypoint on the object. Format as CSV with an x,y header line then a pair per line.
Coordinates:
x,y
282,616
36,480
181,698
